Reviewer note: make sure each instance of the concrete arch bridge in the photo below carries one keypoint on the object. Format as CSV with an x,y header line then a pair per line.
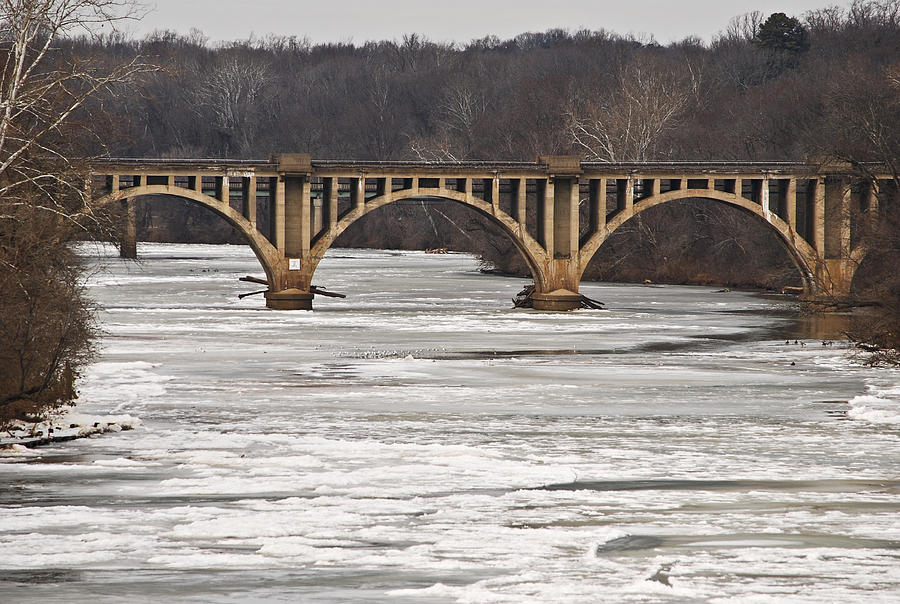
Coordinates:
x,y
557,211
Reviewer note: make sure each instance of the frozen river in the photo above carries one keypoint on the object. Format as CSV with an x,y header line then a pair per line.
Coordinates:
x,y
421,441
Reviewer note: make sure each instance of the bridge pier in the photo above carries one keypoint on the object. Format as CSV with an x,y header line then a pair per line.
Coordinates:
x,y
128,231
558,209
558,300
289,299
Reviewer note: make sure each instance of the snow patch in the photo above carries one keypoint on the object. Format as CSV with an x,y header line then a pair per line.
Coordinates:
x,y
67,425
880,406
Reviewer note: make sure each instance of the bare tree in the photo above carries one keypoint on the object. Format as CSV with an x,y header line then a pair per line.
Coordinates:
x,y
40,89
45,323
233,93
628,124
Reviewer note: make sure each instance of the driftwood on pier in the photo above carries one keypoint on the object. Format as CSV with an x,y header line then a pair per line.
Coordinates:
x,y
319,291
250,279
256,293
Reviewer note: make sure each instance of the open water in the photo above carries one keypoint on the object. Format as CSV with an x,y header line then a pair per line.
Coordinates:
x,y
421,441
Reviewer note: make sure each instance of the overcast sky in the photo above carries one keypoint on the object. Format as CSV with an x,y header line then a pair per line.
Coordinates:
x,y
453,20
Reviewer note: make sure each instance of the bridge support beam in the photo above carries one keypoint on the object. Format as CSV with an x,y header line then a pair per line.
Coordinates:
x,y
560,218
128,231
295,216
835,267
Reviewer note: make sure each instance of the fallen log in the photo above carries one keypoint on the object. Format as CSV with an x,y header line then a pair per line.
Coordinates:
x,y
591,303
250,279
242,296
321,291
523,298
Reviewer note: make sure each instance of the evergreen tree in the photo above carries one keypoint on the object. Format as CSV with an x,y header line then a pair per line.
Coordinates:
x,y
781,33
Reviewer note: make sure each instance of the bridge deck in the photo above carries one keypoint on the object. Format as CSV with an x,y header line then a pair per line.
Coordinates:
x,y
331,165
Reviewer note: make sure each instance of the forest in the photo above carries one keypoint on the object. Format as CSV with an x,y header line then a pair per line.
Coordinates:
x,y
819,87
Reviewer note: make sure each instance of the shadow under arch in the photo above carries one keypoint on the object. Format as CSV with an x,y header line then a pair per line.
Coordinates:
x,y
868,280
528,247
265,252
800,252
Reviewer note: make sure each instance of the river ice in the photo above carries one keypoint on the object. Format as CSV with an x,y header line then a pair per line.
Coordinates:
x,y
422,441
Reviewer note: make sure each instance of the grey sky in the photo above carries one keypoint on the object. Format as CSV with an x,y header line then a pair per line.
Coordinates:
x,y
452,20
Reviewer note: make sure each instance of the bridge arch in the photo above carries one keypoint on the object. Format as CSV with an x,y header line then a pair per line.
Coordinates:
x,y
799,250
532,252
265,252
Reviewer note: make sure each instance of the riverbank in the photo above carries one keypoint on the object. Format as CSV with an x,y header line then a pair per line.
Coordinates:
x,y
68,426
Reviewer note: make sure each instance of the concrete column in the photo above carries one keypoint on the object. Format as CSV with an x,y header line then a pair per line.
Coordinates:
x,y
565,217
358,193
297,216
739,186
629,197
764,199
332,197
574,220
560,288
495,195
545,214
654,186
521,204
128,231
270,209
818,221
385,188
251,202
113,183
278,223
872,199
306,217
248,199
598,204
318,216
170,180
196,183
223,189
791,203
467,188
845,213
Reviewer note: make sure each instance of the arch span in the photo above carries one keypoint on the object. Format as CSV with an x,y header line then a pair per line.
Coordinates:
x,y
265,252
534,255
801,253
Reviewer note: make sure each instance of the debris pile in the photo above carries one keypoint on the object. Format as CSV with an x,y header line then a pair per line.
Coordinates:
x,y
524,300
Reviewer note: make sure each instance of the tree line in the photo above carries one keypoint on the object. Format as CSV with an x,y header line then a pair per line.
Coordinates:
x,y
822,85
